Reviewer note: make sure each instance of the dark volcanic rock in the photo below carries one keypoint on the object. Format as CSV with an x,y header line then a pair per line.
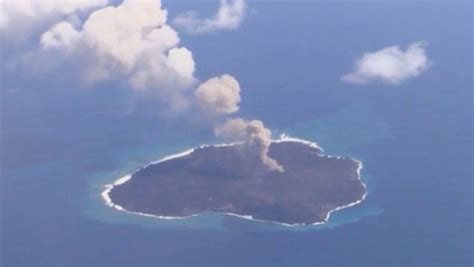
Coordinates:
x,y
227,179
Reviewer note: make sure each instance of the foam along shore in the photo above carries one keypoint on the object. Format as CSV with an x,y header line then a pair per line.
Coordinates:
x,y
283,138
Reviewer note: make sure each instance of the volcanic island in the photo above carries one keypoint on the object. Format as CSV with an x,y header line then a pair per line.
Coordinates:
x,y
224,179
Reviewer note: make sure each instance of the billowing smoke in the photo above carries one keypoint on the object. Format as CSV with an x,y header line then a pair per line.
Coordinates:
x,y
219,95
19,18
254,134
132,42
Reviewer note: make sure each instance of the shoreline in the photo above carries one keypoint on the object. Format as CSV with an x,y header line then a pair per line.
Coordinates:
x,y
283,138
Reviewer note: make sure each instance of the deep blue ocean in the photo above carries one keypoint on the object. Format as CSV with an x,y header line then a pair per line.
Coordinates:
x,y
61,144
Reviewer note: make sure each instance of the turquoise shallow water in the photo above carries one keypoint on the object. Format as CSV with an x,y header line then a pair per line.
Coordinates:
x,y
71,221
327,129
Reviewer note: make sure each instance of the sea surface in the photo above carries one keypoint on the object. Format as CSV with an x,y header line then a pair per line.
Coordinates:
x,y
60,146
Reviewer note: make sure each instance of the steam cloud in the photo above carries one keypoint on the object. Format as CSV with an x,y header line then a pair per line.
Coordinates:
x,y
131,42
252,133
219,95
26,14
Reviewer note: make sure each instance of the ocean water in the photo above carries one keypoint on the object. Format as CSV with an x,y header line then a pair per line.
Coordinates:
x,y
415,142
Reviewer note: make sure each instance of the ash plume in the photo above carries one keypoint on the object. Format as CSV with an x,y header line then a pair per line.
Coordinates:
x,y
254,134
132,43
219,95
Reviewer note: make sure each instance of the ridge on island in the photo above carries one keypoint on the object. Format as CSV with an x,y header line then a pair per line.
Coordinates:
x,y
225,179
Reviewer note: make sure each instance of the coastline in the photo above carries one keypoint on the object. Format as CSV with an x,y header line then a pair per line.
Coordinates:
x,y
283,138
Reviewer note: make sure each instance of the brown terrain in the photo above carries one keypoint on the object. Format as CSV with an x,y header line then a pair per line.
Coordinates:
x,y
230,179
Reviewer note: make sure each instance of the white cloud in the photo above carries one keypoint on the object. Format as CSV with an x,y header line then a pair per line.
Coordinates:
x,y
133,42
390,65
119,35
61,35
22,15
34,8
219,95
254,134
228,17
130,42
181,61
3,17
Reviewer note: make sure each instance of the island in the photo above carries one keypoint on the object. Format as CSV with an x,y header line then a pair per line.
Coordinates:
x,y
225,179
